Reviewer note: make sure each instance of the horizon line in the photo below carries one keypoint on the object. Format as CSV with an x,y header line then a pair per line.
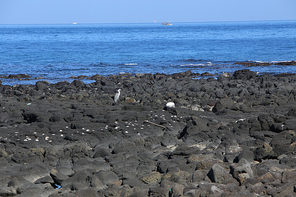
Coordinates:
x,y
152,22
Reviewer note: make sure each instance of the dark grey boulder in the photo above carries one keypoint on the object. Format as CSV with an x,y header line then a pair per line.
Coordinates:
x,y
46,179
245,74
134,182
199,175
57,176
41,190
242,170
107,177
245,154
218,174
125,146
222,104
81,180
281,143
263,152
166,166
158,191
89,192
78,84
140,192
41,85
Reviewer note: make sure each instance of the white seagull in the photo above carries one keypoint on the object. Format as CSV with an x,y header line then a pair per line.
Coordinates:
x,y
116,97
170,105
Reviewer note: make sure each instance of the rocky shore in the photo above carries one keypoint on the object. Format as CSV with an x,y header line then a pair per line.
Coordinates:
x,y
234,135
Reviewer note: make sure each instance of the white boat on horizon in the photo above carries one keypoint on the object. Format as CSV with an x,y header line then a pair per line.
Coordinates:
x,y
166,23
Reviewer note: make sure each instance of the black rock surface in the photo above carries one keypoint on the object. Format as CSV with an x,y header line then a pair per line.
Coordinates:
x,y
227,136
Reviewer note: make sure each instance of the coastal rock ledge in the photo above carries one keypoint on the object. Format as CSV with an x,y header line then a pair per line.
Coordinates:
x,y
233,135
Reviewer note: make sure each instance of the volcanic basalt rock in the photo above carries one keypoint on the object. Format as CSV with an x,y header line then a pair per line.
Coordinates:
x,y
230,136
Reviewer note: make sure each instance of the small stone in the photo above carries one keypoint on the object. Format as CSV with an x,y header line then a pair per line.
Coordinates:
x,y
153,177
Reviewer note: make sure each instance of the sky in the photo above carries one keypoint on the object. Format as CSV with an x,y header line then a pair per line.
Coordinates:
x,y
143,11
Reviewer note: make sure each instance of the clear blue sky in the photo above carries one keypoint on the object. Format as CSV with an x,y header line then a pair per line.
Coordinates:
x,y
137,11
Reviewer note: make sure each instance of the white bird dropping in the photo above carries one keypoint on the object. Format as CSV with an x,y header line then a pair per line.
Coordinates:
x,y
170,105
116,97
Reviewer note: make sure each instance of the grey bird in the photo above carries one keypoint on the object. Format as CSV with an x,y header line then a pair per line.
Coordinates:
x,y
116,97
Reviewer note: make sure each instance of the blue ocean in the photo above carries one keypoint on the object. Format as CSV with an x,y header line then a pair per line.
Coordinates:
x,y
56,52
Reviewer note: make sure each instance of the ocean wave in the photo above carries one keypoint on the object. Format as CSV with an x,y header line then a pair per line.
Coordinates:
x,y
130,64
191,64
201,64
256,61
267,63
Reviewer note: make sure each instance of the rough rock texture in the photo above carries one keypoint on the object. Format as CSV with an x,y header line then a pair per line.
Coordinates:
x,y
226,136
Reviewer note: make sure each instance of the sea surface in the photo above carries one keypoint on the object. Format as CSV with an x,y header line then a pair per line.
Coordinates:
x,y
56,52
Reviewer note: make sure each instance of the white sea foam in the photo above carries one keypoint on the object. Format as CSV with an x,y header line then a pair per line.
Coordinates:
x,y
279,61
131,64
205,64
192,64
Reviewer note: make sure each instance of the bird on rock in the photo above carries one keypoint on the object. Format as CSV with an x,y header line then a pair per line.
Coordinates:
x,y
170,105
116,97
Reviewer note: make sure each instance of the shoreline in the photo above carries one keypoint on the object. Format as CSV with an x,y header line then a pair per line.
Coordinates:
x,y
25,79
231,135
